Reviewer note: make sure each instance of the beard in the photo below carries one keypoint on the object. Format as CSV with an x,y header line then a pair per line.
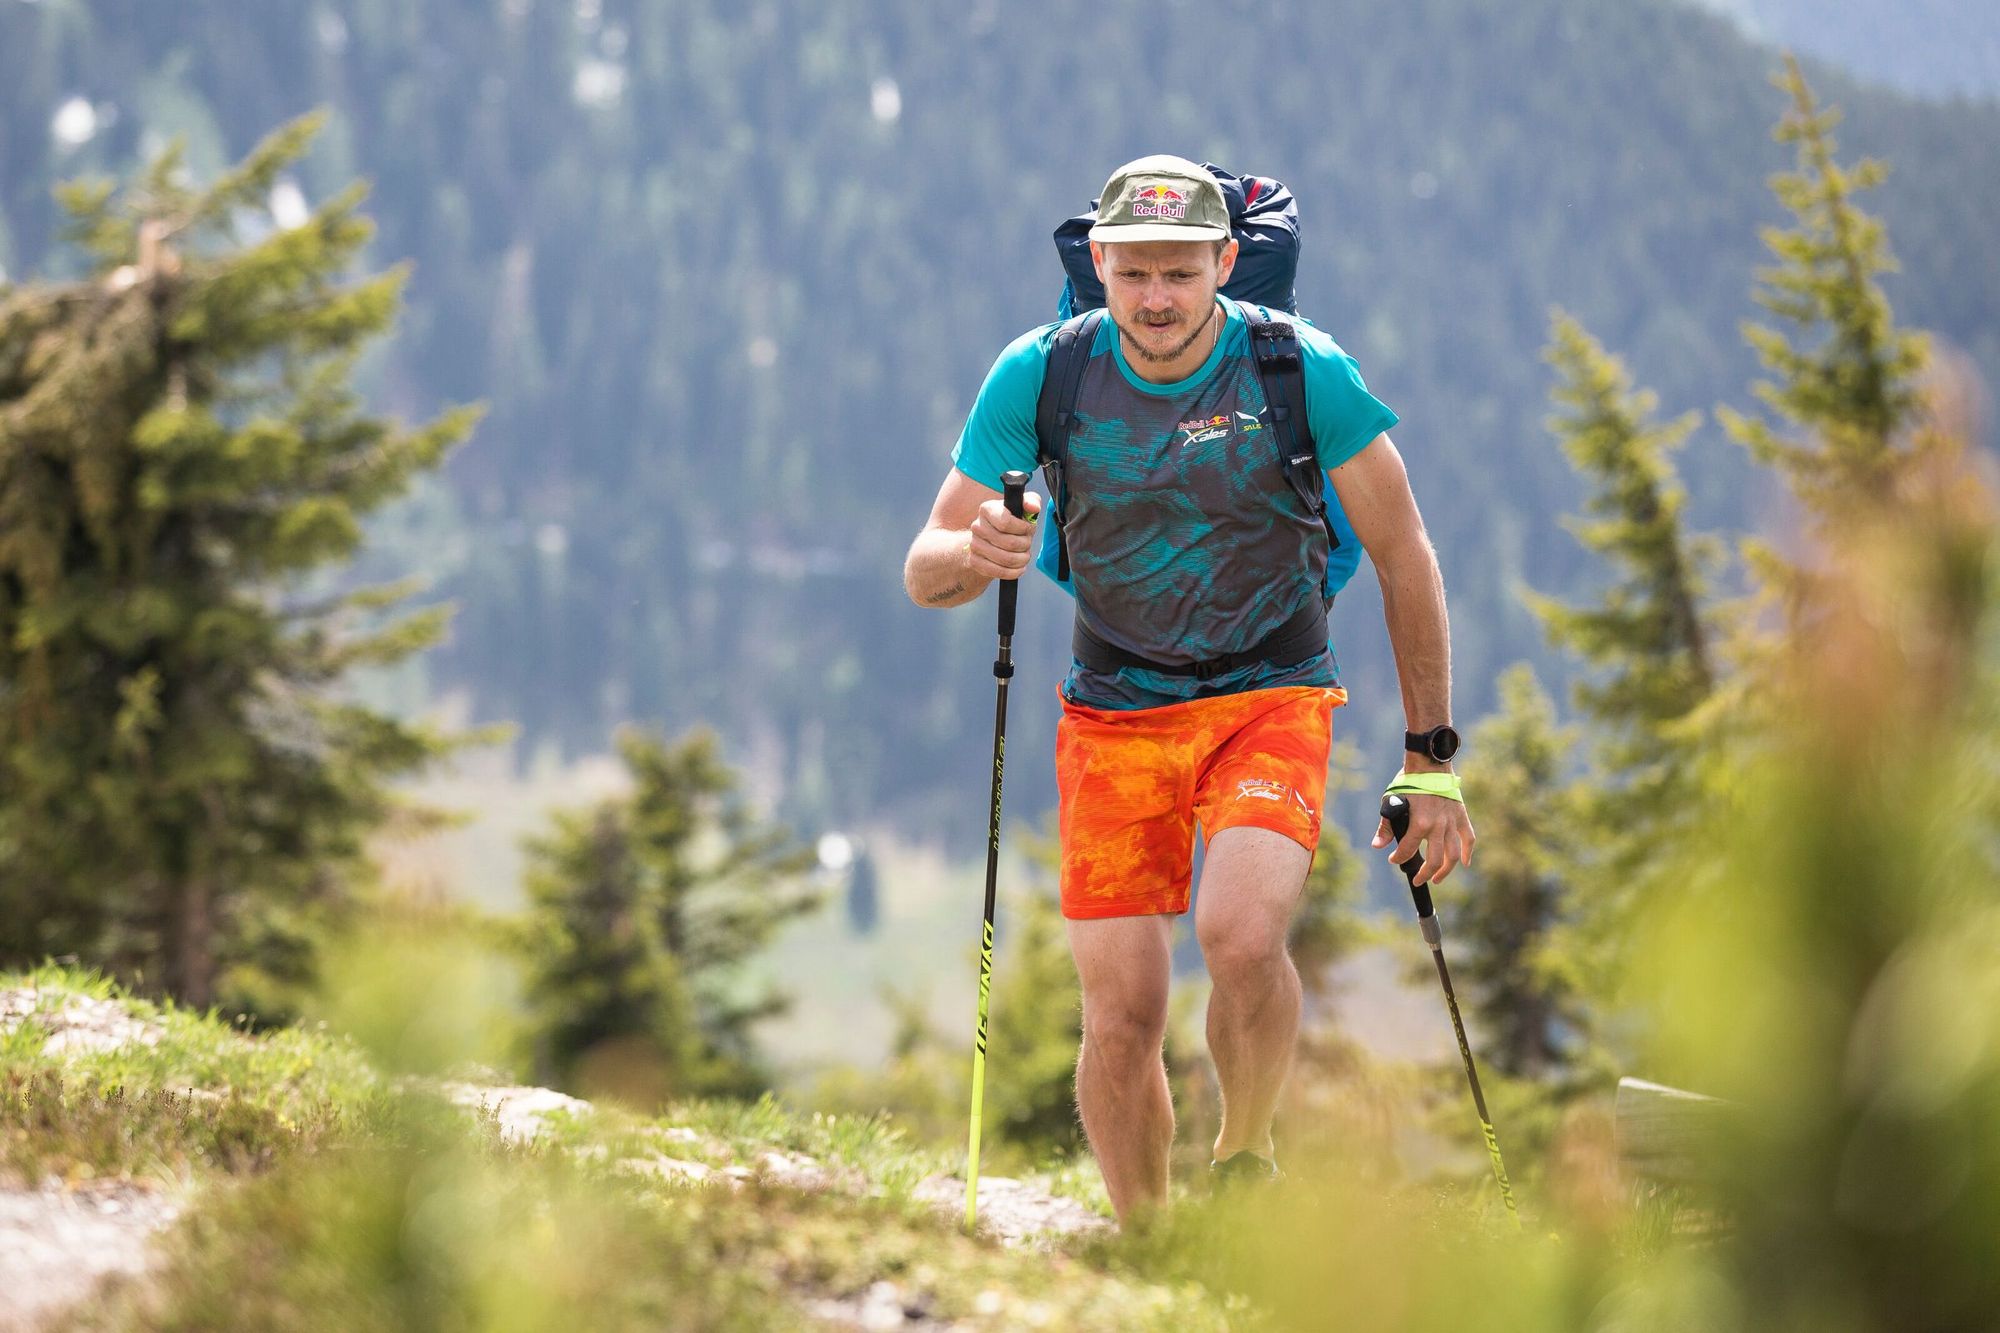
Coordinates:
x,y
1144,353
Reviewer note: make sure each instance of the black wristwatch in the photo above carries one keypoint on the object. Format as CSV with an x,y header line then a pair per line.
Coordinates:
x,y
1439,743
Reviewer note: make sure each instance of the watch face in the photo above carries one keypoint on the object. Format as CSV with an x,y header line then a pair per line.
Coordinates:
x,y
1444,744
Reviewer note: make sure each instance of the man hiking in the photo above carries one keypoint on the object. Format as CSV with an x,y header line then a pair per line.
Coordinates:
x,y
1203,687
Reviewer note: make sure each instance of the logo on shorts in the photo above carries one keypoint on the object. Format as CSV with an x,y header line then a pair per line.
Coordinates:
x,y
1160,201
1262,789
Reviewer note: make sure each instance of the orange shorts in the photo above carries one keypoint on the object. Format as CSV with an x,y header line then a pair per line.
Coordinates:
x,y
1134,783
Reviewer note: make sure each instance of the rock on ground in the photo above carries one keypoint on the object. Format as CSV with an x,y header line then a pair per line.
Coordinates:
x,y
1013,1210
519,1111
75,1023
57,1243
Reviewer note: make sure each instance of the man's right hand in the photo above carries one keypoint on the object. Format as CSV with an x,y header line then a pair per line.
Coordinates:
x,y
998,545
969,541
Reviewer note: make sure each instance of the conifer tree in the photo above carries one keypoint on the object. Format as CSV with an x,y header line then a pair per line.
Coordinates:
x,y
181,791
612,1008
1849,438
645,909
1515,897
1645,645
1844,374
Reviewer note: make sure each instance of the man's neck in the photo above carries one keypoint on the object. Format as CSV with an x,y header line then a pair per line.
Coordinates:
x,y
1188,362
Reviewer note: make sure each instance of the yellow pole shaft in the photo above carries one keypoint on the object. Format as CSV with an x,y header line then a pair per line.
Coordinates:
x,y
978,1080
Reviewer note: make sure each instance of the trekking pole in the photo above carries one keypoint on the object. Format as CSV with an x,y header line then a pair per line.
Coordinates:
x,y
1016,484
1396,811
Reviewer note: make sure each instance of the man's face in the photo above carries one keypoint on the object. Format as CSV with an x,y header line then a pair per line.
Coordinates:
x,y
1161,294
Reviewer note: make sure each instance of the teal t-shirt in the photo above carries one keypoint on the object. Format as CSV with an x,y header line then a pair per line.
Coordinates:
x,y
1186,542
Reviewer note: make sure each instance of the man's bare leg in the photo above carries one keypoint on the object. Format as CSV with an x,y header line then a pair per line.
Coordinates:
x,y
1250,882
1125,964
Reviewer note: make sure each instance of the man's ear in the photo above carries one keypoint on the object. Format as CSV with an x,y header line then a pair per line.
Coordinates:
x,y
1097,260
1227,263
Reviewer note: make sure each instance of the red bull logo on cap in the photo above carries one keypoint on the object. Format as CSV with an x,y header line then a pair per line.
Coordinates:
x,y
1159,201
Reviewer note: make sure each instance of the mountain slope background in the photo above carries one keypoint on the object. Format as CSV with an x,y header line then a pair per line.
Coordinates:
x,y
1936,47
728,280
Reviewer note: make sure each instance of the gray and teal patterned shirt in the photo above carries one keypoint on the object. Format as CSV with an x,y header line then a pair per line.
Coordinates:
x,y
1185,540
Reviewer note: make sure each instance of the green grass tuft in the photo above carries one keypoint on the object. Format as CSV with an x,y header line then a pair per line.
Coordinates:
x,y
81,1131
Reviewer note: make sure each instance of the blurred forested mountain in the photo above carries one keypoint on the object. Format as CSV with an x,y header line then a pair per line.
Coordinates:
x,y
728,276
1935,47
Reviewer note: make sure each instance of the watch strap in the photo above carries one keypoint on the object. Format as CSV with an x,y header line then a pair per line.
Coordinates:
x,y
1425,742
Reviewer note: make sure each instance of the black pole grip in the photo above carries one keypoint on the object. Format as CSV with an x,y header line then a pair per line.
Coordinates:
x,y
1016,484
1397,811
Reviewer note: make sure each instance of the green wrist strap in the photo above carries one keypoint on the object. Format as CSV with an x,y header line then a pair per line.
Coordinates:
x,y
1426,784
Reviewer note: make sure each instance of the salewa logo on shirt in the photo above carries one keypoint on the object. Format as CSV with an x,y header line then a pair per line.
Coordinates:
x,y
1247,423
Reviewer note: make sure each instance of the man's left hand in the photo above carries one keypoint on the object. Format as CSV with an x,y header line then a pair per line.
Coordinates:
x,y
1441,823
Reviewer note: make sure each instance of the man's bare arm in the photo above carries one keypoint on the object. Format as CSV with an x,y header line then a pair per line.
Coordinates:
x,y
1374,489
969,541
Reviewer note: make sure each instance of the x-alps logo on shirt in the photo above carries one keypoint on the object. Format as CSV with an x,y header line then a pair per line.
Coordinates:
x,y
1201,430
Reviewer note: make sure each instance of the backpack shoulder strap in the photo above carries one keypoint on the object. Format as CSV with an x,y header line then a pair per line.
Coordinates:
x,y
1283,373
1055,415
1055,409
1275,343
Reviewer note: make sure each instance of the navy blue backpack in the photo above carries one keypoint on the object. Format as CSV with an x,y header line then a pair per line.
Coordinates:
x,y
1264,217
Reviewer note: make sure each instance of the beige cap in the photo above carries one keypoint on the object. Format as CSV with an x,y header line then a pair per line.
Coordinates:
x,y
1161,198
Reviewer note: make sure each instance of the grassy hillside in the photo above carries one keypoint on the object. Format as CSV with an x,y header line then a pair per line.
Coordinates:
x,y
322,1195
315,1193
